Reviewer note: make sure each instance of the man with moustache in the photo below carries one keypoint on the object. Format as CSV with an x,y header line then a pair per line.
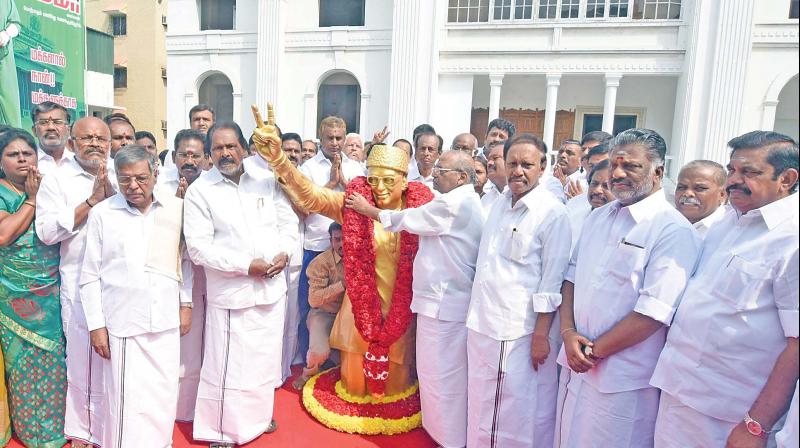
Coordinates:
x,y
191,162
292,145
568,167
512,379
354,147
449,229
122,132
329,169
62,206
240,227
496,172
588,142
578,207
621,289
309,150
729,368
134,280
51,128
427,150
465,142
598,195
700,194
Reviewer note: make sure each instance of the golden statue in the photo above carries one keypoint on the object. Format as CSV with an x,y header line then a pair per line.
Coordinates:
x,y
377,269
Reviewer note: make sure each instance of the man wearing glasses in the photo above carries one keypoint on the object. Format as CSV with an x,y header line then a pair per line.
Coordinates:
x,y
62,206
51,128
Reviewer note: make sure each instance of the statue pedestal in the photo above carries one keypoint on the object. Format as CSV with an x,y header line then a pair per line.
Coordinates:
x,y
326,400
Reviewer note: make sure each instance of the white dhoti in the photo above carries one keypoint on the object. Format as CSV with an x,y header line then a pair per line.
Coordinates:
x,y
83,418
588,418
679,426
289,356
191,360
241,369
442,373
142,390
509,404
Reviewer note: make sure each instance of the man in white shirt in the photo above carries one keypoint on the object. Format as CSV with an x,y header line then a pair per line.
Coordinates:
x,y
700,194
729,367
589,143
523,254
133,283
578,206
329,169
496,172
568,166
621,290
190,162
427,149
51,128
598,195
449,229
240,227
62,206
354,147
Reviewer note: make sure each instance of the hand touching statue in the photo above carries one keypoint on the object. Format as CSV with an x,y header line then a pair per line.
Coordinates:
x,y
265,136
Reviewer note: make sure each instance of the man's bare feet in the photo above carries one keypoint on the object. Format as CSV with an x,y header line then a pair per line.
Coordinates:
x,y
299,382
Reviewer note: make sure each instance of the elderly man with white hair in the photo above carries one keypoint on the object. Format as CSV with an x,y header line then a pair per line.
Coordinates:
x,y
621,290
354,147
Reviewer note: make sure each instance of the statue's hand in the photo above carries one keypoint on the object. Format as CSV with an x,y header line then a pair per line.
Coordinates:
x,y
265,136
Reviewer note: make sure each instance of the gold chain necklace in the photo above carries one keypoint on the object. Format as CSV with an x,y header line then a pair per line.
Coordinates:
x,y
8,182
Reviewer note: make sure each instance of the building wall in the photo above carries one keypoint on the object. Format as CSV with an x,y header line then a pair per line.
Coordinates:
x,y
143,52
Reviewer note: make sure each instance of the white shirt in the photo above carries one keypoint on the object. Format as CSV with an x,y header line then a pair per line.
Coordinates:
x,y
427,181
636,258
491,195
554,186
59,194
523,254
578,177
227,226
449,229
578,208
738,309
118,291
704,225
48,164
318,169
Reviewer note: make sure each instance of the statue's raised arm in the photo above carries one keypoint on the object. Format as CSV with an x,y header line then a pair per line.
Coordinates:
x,y
299,188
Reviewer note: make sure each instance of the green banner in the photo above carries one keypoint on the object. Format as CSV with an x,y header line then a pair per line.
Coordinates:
x,y
49,40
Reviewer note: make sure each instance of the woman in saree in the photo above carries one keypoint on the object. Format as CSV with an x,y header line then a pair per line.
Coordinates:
x,y
30,313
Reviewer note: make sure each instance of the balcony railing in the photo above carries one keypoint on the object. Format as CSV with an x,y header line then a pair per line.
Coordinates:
x,y
522,11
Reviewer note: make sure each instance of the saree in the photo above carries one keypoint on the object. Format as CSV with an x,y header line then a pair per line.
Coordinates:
x,y
31,335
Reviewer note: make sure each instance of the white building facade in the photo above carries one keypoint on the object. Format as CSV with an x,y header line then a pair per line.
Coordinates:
x,y
697,71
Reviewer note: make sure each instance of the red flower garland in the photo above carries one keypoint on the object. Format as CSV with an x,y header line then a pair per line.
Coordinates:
x,y
361,281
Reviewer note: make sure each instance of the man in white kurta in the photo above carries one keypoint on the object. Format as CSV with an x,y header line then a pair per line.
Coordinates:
x,y
132,283
449,229
729,366
700,194
621,290
240,227
190,163
62,205
524,251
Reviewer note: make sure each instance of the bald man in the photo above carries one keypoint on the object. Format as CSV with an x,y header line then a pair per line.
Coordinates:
x,y
466,143
700,194
449,229
62,206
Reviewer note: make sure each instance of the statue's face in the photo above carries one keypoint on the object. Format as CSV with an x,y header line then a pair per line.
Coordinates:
x,y
387,186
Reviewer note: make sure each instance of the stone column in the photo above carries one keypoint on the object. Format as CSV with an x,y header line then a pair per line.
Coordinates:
x,y
551,106
495,87
610,102
268,52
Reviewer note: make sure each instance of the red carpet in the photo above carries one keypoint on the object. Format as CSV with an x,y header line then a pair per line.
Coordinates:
x,y
297,429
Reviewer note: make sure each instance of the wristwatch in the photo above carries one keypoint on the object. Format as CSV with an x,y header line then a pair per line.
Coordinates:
x,y
754,427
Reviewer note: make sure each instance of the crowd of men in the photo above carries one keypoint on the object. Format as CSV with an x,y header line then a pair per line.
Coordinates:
x,y
562,298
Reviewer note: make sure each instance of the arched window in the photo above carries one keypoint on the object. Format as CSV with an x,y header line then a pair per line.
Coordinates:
x,y
786,116
217,14
340,95
217,92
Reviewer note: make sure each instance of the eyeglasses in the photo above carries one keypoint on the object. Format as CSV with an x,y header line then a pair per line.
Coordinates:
x,y
56,121
127,180
437,170
185,155
86,139
388,181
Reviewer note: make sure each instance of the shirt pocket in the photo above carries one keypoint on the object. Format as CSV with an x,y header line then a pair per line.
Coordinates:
x,y
625,260
518,247
740,283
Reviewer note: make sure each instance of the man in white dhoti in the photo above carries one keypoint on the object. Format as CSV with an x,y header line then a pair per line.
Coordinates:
x,y
523,254
190,162
729,368
449,229
700,194
62,206
132,284
620,292
241,229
